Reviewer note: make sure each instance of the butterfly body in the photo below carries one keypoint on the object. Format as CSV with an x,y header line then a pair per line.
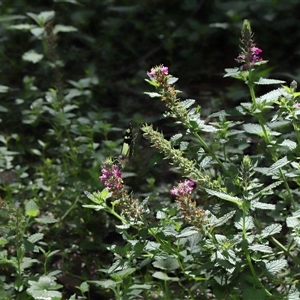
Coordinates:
x,y
127,146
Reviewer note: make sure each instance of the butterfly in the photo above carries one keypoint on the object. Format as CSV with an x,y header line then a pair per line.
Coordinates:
x,y
127,146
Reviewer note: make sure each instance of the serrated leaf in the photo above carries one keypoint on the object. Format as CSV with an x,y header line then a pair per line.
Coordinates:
x,y
169,231
271,186
187,232
261,248
223,219
263,81
187,103
175,137
223,196
152,246
294,293
261,205
289,144
278,164
221,239
249,224
35,237
275,266
272,96
193,242
271,230
294,220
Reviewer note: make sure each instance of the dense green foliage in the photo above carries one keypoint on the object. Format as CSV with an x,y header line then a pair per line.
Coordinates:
x,y
71,78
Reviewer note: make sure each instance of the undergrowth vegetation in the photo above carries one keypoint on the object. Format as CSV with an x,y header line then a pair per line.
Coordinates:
x,y
205,207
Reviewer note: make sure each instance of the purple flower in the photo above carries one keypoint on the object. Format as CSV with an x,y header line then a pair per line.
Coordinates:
x,y
158,70
111,177
183,188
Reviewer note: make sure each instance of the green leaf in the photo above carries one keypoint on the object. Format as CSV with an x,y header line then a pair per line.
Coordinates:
x,y
294,293
186,232
3,241
254,129
164,276
4,89
46,220
224,196
271,230
294,220
172,80
141,286
22,26
249,224
278,164
105,284
62,28
84,287
120,275
35,237
44,288
272,96
32,56
153,95
291,145
187,103
261,205
276,266
219,222
99,197
261,248
168,264
252,293
42,18
232,72
193,242
37,31
263,81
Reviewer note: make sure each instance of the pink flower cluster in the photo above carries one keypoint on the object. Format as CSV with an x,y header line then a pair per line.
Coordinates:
x,y
252,57
111,177
161,68
183,188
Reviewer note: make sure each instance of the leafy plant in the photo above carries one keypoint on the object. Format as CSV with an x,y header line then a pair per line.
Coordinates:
x,y
243,238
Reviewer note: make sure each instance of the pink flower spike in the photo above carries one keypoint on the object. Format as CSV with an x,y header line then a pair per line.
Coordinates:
x,y
256,50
